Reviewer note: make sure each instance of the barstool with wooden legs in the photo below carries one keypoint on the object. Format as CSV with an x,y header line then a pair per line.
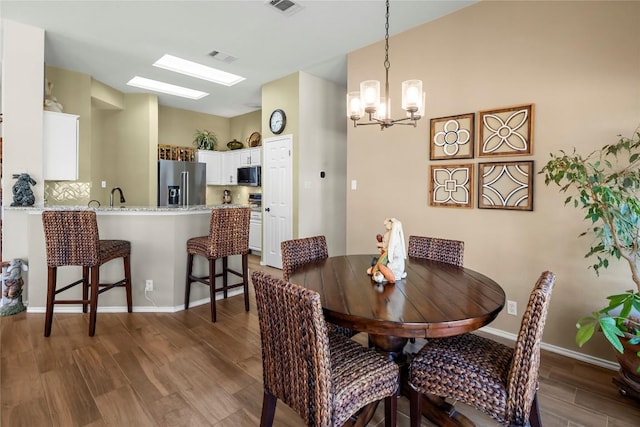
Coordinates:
x,y
72,239
228,235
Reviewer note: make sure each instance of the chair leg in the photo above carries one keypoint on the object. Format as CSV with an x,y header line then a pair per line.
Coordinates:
x,y
187,284
390,411
268,409
127,285
415,409
85,288
93,299
51,296
245,280
534,415
225,278
212,287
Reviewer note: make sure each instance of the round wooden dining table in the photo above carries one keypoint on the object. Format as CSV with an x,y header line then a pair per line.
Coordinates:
x,y
435,300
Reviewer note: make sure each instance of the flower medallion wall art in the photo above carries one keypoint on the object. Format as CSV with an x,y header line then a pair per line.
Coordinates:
x,y
452,137
506,131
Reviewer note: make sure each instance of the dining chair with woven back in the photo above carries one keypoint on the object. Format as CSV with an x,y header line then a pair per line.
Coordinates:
x,y
72,239
299,252
228,235
325,377
436,249
498,380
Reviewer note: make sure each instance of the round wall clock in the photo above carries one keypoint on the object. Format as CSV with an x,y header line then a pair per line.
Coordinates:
x,y
277,121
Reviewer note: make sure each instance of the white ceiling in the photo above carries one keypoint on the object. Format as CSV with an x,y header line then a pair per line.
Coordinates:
x,y
116,40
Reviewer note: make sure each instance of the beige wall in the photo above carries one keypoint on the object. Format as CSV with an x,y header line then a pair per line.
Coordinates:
x,y
578,63
322,147
177,127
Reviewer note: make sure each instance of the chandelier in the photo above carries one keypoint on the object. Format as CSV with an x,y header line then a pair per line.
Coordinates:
x,y
368,100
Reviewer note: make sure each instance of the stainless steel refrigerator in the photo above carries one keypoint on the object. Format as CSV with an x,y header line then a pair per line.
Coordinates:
x,y
181,183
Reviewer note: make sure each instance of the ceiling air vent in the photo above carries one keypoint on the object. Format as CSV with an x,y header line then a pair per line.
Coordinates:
x,y
286,7
221,56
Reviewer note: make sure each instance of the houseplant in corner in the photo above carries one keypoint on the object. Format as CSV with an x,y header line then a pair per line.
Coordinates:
x,y
607,182
205,139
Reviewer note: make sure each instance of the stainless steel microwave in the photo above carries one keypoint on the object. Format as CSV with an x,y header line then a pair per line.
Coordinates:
x,y
249,175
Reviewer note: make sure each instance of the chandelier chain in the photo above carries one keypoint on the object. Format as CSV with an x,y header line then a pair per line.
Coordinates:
x,y
387,64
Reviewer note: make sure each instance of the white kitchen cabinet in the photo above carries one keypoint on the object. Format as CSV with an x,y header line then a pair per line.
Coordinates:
x,y
250,157
255,231
231,164
60,146
213,160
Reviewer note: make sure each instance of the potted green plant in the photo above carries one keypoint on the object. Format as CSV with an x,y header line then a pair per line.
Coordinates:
x,y
608,184
205,139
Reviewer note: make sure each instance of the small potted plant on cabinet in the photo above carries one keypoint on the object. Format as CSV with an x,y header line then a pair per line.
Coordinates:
x,y
608,185
205,139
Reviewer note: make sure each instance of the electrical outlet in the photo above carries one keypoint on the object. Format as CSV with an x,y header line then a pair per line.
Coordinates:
x,y
148,286
512,308
104,184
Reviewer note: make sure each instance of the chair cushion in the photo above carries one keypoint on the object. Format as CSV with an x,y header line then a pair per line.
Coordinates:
x,y
467,368
359,376
198,246
112,249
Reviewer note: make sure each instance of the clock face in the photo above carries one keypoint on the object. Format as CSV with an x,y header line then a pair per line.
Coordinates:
x,y
278,121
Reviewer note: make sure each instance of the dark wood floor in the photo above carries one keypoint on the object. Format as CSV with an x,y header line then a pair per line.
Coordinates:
x,y
179,369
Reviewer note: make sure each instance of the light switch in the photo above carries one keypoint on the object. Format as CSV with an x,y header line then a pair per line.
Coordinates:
x,y
104,184
354,184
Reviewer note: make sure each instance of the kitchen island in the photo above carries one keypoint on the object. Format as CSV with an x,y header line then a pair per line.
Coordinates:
x,y
158,237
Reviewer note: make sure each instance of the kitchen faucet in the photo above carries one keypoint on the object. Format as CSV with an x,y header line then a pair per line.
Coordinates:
x,y
114,189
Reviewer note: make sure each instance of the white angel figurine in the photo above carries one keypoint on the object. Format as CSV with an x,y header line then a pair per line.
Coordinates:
x,y
396,253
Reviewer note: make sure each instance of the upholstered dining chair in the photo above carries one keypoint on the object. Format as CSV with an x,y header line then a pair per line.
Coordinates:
x,y
71,239
228,235
323,376
495,379
298,252
432,248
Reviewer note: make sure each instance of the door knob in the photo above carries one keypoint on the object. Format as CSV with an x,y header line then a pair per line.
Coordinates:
x,y
267,210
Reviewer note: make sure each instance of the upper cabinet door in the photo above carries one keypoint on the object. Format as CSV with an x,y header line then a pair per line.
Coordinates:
x,y
213,159
60,146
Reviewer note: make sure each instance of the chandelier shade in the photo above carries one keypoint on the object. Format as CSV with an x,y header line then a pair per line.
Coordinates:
x,y
368,101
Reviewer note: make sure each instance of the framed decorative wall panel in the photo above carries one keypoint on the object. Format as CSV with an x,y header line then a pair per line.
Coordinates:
x,y
506,131
506,185
451,186
452,137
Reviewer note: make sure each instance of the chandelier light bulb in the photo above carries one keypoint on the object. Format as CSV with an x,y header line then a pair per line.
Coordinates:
x,y
354,105
411,95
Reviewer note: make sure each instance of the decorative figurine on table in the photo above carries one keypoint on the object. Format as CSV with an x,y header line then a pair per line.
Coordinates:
x,y
12,284
389,265
22,193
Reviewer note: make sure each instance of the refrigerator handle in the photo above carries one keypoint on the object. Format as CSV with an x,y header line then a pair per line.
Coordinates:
x,y
184,175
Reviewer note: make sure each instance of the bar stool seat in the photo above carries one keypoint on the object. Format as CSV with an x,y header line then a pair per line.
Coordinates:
x,y
72,239
228,235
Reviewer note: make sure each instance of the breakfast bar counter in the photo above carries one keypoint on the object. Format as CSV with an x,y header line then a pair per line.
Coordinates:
x,y
158,237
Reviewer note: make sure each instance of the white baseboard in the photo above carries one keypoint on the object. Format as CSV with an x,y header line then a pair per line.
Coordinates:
x,y
136,309
559,350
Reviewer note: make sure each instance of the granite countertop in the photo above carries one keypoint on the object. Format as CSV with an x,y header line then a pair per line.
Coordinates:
x,y
123,209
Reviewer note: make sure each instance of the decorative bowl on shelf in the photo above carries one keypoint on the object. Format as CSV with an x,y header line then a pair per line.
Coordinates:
x,y
234,145
255,139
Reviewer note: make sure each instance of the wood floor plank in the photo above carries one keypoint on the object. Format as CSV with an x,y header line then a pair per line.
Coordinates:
x,y
29,412
174,410
150,381
99,370
68,396
121,407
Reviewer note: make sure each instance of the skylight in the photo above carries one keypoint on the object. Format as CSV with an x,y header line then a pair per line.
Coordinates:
x,y
193,69
167,88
